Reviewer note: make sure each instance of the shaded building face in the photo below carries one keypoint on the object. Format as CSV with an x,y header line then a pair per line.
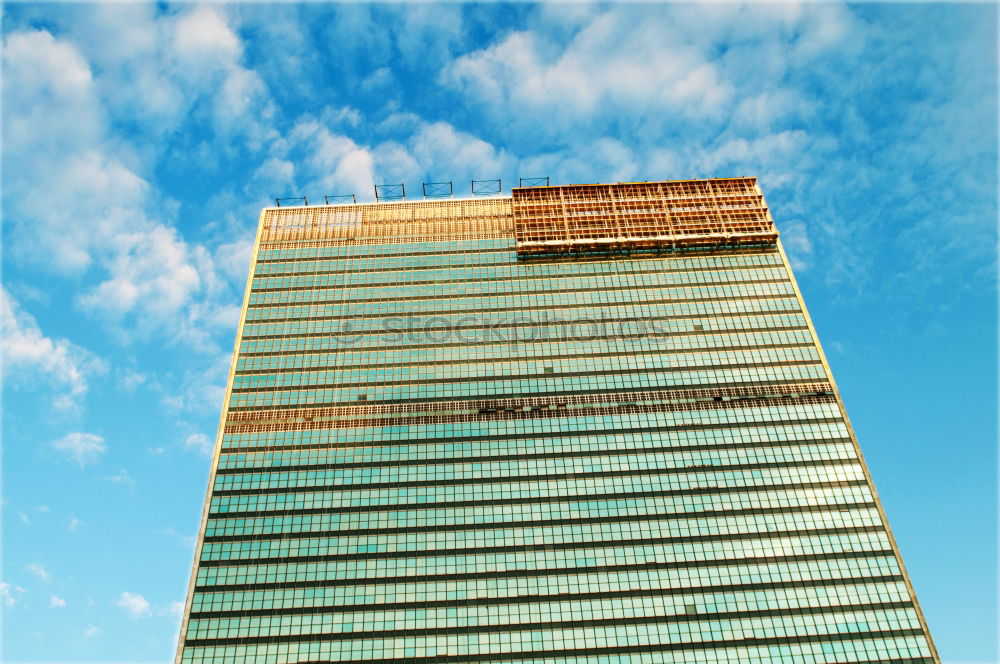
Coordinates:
x,y
580,424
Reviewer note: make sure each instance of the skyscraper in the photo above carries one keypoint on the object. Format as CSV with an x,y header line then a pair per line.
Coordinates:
x,y
584,424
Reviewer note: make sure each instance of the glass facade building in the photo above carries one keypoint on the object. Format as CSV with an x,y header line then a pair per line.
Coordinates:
x,y
577,425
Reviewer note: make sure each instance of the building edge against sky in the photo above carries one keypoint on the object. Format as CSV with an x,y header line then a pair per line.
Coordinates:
x,y
286,572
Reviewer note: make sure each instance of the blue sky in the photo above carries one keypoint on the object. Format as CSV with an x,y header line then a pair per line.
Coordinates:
x,y
140,141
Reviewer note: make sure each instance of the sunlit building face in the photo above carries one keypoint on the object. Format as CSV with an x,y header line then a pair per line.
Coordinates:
x,y
582,424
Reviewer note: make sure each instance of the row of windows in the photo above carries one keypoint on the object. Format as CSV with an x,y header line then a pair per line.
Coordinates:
x,y
520,512
539,535
518,367
504,248
545,488
477,253
391,337
500,266
386,301
522,468
575,487
914,649
526,588
512,388
381,454
367,285
509,279
585,638
558,438
496,257
583,321
531,560
451,469
388,248
833,620
540,348
470,515
467,615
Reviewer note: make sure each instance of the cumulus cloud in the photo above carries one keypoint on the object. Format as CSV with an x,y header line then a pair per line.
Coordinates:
x,y
29,355
339,164
90,631
56,602
134,604
200,443
39,571
10,594
83,448
106,223
596,70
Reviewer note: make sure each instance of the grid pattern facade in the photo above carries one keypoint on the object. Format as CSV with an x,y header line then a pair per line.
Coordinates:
x,y
440,448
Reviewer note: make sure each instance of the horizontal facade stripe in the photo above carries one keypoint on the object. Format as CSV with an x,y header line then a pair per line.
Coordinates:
x,y
711,426
548,477
523,358
328,359
722,260
845,530
694,645
791,381
521,511
513,415
596,569
632,518
509,457
475,343
768,275
543,500
473,298
727,615
404,314
533,376
249,336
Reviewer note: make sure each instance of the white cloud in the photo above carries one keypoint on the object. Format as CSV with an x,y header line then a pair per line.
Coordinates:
x,y
201,391
56,602
91,631
121,477
154,272
39,571
338,163
74,524
176,608
29,355
135,605
441,150
612,65
10,593
233,259
200,443
797,243
130,380
202,37
83,448
107,223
